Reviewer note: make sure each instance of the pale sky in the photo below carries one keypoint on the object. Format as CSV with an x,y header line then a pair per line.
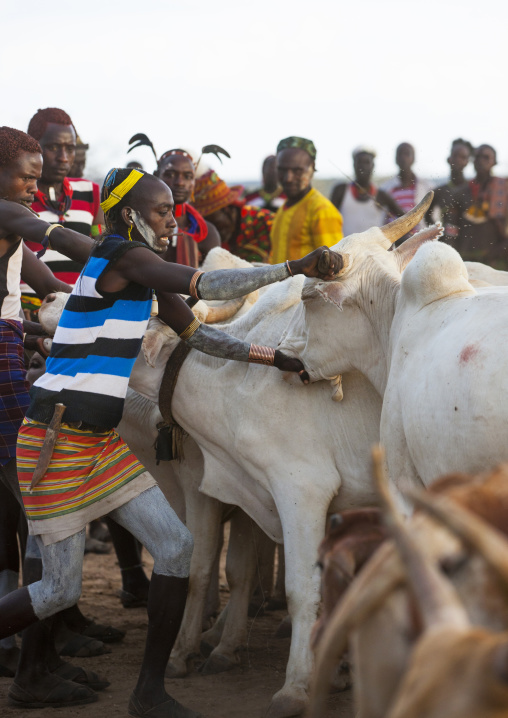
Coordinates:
x,y
246,74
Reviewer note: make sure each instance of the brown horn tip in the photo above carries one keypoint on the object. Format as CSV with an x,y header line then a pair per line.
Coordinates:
x,y
401,226
225,311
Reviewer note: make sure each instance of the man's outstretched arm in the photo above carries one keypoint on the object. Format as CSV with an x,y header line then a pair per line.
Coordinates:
x,y
146,268
209,340
19,220
39,276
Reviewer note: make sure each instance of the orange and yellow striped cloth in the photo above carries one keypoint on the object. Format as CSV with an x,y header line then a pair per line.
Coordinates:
x,y
86,468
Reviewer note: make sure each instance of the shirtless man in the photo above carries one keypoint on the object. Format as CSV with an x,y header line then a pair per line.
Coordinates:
x,y
41,676
446,196
197,236
94,349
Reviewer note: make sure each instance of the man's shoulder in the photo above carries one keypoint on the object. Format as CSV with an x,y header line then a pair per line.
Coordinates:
x,y
390,184
81,184
319,203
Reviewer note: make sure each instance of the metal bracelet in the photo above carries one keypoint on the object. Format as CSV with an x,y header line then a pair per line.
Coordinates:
x,y
261,355
192,286
191,329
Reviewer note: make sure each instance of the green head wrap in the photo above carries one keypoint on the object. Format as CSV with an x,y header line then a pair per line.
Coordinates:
x,y
298,143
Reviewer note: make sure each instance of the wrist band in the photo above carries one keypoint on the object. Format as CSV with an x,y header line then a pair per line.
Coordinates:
x,y
192,286
261,355
96,230
289,268
45,241
191,329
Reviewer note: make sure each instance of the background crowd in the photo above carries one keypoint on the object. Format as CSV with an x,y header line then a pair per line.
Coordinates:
x,y
284,217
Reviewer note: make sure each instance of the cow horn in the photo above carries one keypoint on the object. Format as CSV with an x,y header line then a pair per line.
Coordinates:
x,y
401,226
225,311
437,601
473,530
380,577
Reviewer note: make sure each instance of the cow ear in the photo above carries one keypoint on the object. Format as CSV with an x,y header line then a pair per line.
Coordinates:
x,y
407,250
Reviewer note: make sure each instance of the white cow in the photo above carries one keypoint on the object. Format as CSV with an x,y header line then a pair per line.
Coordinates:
x,y
281,452
430,343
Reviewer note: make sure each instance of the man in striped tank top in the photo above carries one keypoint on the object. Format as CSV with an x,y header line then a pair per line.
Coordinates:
x,y
92,472
72,202
406,188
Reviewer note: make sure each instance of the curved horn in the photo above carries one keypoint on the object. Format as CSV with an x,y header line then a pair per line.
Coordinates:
x,y
401,226
474,531
225,311
382,574
436,598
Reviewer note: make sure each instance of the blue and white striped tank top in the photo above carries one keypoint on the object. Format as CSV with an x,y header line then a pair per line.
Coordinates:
x,y
95,345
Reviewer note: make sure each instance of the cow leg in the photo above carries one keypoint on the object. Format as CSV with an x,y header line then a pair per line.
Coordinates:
x,y
204,522
210,639
212,601
278,599
303,533
244,538
264,585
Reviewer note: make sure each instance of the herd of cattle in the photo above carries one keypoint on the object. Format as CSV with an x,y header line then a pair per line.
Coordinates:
x,y
404,347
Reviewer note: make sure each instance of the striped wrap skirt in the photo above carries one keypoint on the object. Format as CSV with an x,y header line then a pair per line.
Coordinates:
x,y
90,474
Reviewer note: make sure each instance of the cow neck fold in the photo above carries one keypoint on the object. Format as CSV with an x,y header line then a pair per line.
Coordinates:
x,y
379,300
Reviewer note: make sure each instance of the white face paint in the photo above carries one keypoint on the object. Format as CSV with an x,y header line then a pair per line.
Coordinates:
x,y
158,244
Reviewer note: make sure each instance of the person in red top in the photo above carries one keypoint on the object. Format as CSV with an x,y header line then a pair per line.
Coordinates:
x,y
60,199
197,236
244,230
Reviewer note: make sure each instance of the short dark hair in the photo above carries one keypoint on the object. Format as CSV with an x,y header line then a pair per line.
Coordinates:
x,y
39,122
484,144
115,177
466,143
13,143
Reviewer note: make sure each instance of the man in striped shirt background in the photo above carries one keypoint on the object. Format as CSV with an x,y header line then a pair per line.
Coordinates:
x,y
60,199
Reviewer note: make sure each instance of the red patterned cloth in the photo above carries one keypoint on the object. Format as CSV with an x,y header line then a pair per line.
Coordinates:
x,y
490,201
252,241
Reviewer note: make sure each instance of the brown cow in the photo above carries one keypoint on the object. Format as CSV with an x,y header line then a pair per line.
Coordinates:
x,y
352,538
442,663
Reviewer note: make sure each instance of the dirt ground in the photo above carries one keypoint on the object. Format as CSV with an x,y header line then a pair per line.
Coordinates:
x,y
244,692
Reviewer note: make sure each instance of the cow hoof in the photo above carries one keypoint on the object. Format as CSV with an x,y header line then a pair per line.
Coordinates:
x,y
285,628
176,668
286,705
217,664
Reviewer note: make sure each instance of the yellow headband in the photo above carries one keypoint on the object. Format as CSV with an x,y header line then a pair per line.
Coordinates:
x,y
119,192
